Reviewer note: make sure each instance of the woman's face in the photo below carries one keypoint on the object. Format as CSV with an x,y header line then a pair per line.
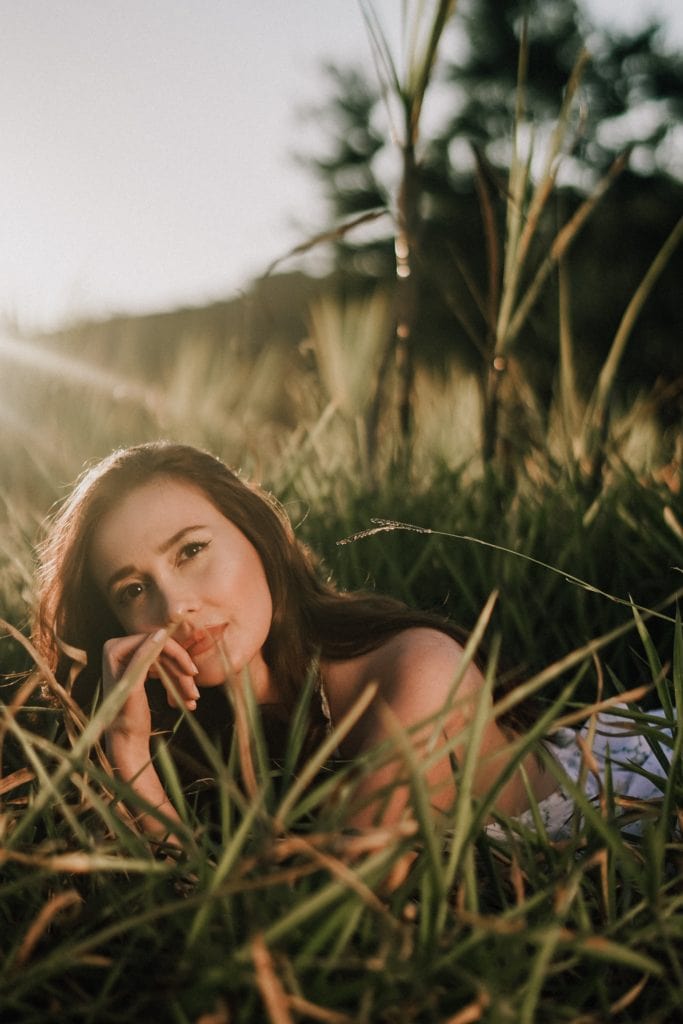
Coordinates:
x,y
166,555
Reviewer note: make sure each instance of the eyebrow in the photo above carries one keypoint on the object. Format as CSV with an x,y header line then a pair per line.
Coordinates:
x,y
129,570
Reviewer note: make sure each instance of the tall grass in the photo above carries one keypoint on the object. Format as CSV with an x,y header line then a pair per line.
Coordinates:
x,y
270,908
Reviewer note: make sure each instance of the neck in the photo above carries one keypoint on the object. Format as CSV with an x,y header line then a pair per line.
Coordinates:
x,y
261,681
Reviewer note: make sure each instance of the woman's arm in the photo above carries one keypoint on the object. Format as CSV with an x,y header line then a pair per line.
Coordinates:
x,y
128,736
416,671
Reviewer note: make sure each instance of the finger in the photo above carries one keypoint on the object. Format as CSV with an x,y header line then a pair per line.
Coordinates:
x,y
135,654
177,653
156,655
181,688
121,655
181,669
118,651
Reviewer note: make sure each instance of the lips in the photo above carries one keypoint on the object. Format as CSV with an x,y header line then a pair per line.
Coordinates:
x,y
203,640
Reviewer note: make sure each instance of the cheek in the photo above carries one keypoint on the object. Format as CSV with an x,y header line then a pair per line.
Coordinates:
x,y
263,606
256,585
138,618
266,599
123,618
280,610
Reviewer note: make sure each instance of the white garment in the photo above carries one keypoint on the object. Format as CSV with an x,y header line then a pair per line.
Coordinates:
x,y
616,742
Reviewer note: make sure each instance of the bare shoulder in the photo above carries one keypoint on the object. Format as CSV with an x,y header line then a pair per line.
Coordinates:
x,y
422,662
412,646
409,660
415,672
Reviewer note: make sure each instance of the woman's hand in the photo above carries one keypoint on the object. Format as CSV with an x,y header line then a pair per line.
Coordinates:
x,y
128,736
148,655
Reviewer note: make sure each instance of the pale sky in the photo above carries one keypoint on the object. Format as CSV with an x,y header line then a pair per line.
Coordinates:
x,y
147,145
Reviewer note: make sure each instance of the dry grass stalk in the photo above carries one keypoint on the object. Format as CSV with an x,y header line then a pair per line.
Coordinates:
x,y
320,1013
275,998
560,246
55,905
473,1012
343,873
629,997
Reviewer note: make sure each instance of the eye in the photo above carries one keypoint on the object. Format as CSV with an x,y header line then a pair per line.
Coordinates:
x,y
129,593
191,550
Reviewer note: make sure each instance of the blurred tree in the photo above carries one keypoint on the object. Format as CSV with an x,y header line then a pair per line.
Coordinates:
x,y
347,174
630,94
629,98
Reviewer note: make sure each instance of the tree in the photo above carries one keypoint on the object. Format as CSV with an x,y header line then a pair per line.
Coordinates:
x,y
630,94
462,247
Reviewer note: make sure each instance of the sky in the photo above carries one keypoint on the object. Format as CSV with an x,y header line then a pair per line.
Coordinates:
x,y
149,146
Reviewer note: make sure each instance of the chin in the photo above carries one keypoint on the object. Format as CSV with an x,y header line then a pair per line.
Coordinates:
x,y
214,669
206,682
213,675
212,672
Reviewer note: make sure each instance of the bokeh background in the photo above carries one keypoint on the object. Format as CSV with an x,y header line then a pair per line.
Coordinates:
x,y
151,150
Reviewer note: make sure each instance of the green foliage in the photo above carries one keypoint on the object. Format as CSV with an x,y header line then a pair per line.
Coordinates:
x,y
491,207
269,908
625,73
272,907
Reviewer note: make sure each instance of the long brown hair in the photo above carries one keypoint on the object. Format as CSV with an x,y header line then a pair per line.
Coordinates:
x,y
309,614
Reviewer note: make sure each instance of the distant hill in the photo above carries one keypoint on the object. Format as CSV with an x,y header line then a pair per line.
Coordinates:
x,y
606,264
272,311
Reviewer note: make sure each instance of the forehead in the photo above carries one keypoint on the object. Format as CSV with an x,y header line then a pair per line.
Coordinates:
x,y
148,515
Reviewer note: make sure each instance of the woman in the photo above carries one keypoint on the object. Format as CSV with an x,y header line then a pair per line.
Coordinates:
x,y
163,563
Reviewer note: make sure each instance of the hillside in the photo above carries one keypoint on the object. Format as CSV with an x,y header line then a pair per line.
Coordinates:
x,y
272,311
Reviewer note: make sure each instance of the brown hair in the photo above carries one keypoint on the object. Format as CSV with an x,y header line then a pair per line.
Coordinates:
x,y
309,614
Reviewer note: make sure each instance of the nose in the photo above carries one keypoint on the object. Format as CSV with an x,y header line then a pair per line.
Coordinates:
x,y
178,603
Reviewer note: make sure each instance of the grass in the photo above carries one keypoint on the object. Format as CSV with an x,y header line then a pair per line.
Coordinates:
x,y
271,909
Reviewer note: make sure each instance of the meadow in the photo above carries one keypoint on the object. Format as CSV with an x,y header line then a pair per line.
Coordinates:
x,y
273,911
551,530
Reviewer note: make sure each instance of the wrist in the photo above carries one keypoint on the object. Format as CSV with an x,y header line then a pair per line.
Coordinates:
x,y
126,748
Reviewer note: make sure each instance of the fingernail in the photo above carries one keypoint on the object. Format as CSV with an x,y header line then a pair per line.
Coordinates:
x,y
195,670
194,691
191,705
161,634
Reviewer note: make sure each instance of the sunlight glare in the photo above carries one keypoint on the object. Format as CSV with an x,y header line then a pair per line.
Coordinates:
x,y
77,372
